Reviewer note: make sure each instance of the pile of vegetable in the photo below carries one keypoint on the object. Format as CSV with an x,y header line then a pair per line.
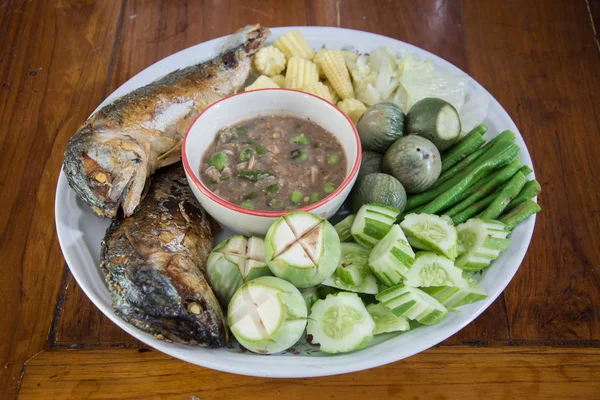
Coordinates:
x,y
432,206
356,81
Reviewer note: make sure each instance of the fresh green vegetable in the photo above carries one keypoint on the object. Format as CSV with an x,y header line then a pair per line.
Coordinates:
x,y
253,176
501,141
299,140
234,261
267,315
328,187
474,208
274,188
447,192
353,274
378,188
370,163
333,159
413,304
526,170
247,153
431,232
296,197
314,197
430,269
414,161
385,320
310,295
392,257
435,120
483,187
218,160
299,154
372,222
507,194
480,242
456,296
529,191
465,146
380,126
343,228
302,248
520,213
340,323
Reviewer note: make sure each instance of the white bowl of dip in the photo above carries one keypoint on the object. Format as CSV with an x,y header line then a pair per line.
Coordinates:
x,y
248,105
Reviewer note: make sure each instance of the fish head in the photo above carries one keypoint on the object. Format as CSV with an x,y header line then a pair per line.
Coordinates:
x,y
107,168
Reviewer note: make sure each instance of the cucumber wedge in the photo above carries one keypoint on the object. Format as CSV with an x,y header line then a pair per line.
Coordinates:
x,y
430,269
391,258
431,232
385,320
480,242
372,222
353,274
452,297
343,228
413,304
340,323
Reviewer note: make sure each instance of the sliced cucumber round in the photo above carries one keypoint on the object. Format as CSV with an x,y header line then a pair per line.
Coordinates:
x,y
413,304
385,320
234,261
340,323
302,248
391,258
267,315
452,297
480,242
430,269
372,222
431,232
434,119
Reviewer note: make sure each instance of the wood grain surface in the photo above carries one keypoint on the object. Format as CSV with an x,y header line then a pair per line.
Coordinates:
x,y
540,59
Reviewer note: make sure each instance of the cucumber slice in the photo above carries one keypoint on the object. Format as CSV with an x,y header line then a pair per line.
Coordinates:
x,y
413,304
432,233
310,296
372,222
267,315
340,323
431,269
434,119
367,286
480,242
234,261
343,228
353,274
392,257
452,297
385,320
302,248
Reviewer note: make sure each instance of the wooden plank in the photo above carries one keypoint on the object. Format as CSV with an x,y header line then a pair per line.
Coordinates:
x,y
53,62
546,77
453,372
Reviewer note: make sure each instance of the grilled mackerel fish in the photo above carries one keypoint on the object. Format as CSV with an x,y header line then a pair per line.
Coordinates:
x,y
155,261
109,160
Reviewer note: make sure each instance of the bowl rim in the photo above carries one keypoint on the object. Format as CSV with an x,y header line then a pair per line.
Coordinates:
x,y
263,213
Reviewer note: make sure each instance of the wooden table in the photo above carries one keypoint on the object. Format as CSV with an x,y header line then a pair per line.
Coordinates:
x,y
540,59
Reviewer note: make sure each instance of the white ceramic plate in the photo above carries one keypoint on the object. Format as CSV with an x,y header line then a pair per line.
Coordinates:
x,y
80,233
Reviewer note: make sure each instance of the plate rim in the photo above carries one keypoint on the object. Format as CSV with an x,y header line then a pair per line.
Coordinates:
x,y
289,366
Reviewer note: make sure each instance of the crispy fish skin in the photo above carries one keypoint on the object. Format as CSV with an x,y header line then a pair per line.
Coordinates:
x,y
108,161
154,263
